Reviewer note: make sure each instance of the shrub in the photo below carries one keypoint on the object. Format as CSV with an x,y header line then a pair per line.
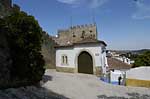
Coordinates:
x,y
25,39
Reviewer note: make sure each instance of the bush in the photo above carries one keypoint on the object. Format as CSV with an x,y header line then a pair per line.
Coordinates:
x,y
25,39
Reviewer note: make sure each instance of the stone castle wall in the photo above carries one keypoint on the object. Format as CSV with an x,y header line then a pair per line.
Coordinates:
x,y
5,7
7,3
77,33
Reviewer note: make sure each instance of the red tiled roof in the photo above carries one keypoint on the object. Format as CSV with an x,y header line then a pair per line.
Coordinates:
x,y
117,64
84,41
90,41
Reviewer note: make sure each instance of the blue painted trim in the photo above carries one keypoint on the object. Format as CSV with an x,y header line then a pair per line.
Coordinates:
x,y
114,83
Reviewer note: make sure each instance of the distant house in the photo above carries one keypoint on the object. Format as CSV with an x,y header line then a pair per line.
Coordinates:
x,y
124,59
120,56
79,51
115,64
117,69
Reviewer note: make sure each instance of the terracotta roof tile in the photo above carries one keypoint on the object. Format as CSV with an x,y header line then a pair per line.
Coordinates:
x,y
84,41
90,41
117,64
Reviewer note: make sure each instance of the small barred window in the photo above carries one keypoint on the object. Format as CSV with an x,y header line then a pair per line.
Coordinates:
x,y
64,59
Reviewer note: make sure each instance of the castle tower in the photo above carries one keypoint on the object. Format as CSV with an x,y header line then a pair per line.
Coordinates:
x,y
77,33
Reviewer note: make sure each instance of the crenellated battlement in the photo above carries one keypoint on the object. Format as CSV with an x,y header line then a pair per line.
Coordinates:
x,y
77,33
82,26
77,27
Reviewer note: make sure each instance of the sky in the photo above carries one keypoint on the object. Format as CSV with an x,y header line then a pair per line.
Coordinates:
x,y
122,24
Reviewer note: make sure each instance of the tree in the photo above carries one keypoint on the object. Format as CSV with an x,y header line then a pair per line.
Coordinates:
x,y
143,59
25,39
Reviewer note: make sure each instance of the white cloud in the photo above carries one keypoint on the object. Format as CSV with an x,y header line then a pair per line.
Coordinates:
x,y
68,1
143,10
85,3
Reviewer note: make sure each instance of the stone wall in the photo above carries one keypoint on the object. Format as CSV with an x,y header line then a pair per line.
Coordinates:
x,y
98,71
76,33
48,51
5,7
7,3
65,69
84,31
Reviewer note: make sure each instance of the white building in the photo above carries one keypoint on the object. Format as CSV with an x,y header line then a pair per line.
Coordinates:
x,y
117,68
124,59
87,56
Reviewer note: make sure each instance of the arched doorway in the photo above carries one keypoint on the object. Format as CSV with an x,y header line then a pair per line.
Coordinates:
x,y
85,63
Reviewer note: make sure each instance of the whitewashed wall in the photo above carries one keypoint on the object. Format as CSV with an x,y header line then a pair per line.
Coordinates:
x,y
114,75
93,50
141,73
69,52
72,53
124,59
104,62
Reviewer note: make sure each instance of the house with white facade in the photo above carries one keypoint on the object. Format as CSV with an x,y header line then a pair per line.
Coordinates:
x,y
80,51
117,68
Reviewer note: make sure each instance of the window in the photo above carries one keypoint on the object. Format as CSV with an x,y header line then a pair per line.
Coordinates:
x,y
83,34
64,59
74,35
94,35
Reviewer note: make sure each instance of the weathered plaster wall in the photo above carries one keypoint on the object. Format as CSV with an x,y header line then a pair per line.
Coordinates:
x,y
69,52
73,52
